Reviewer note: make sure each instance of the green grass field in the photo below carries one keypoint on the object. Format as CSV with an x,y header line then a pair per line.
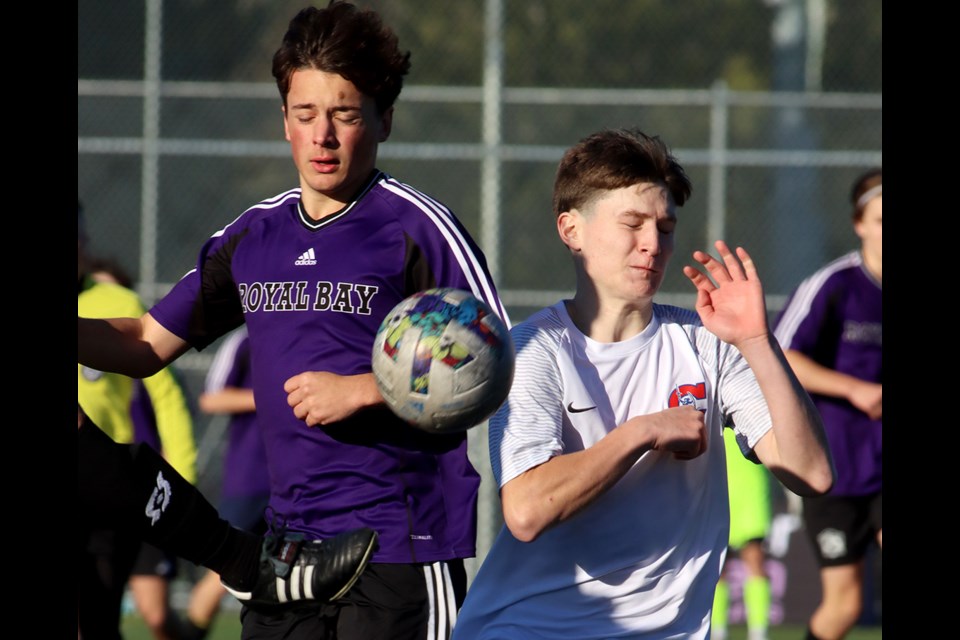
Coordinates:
x,y
227,627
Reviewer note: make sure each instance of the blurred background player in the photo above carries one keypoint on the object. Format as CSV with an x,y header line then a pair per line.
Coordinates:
x,y
750,517
832,329
245,488
157,414
154,569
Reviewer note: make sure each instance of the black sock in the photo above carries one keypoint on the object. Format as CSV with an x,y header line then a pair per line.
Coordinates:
x,y
189,630
104,480
810,635
133,487
173,514
237,560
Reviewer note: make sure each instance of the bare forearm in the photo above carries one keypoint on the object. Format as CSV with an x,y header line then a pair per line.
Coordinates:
x,y
228,400
819,379
797,453
559,488
137,347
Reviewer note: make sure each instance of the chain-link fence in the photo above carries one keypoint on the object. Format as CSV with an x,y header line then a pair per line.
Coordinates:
x,y
772,106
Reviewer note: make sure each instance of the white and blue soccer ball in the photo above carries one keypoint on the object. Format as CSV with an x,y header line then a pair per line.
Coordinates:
x,y
443,360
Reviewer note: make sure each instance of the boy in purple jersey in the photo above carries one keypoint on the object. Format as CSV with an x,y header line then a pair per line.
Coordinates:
x,y
832,329
312,272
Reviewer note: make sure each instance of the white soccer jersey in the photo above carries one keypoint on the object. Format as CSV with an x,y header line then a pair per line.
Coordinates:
x,y
642,560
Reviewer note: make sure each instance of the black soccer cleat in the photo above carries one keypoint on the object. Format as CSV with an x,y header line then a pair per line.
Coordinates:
x,y
294,570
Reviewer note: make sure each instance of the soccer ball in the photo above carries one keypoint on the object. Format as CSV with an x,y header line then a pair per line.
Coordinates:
x,y
443,360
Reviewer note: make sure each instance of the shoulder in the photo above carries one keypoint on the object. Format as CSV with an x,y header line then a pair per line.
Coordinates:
x,y
833,274
817,291
688,321
543,327
411,207
263,210
670,315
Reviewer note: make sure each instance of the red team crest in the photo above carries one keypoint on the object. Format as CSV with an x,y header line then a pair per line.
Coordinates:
x,y
694,395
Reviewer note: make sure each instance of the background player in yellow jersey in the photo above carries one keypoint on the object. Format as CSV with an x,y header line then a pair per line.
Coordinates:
x,y
107,556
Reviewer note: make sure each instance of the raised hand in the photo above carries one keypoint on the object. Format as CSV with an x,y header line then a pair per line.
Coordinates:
x,y
730,304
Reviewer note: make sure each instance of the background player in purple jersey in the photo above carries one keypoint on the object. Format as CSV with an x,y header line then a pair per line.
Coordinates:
x,y
312,272
832,329
245,487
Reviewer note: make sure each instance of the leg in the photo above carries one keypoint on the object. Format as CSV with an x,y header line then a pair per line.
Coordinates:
x,y
842,601
105,561
150,586
756,590
151,594
204,604
719,617
840,531
402,602
133,487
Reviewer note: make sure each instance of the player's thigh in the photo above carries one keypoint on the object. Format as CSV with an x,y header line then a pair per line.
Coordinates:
x,y
395,601
843,584
403,602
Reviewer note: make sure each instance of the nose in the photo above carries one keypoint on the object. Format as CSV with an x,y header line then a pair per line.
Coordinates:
x,y
324,133
648,240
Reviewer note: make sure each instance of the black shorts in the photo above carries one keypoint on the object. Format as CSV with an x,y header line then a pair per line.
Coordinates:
x,y
395,601
840,528
245,512
151,561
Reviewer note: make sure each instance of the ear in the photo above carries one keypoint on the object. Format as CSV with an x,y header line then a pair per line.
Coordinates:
x,y
569,225
386,124
858,228
286,129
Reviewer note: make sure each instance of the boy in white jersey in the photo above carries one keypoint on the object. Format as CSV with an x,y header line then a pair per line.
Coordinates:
x,y
608,451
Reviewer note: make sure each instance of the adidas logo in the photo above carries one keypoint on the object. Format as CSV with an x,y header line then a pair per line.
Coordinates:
x,y
308,258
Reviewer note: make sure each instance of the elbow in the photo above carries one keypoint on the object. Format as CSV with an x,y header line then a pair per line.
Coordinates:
x,y
142,369
818,482
820,485
825,480
824,476
206,406
522,523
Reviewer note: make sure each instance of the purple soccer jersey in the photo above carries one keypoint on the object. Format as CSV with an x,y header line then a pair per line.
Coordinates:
x,y
245,461
313,294
835,317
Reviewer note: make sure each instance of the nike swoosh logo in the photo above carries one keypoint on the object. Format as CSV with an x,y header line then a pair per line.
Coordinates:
x,y
571,408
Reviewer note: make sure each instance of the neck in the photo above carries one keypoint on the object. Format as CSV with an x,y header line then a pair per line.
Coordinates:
x,y
609,322
873,265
